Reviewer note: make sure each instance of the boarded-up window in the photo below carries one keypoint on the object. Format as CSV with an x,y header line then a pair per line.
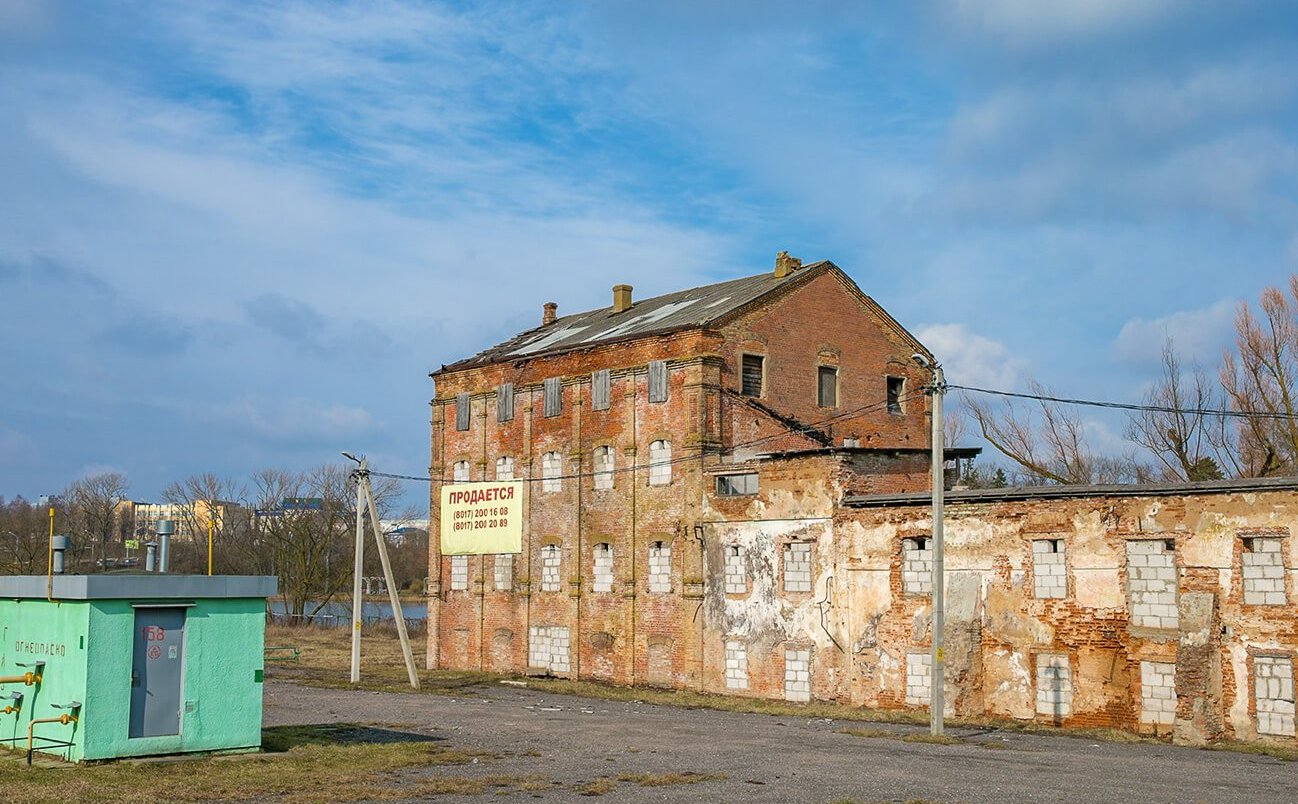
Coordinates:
x,y
657,381
461,411
827,386
734,485
460,472
751,381
553,396
505,402
505,468
599,389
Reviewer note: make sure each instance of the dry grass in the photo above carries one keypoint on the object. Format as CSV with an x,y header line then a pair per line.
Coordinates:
x,y
597,787
301,764
905,737
1287,753
666,779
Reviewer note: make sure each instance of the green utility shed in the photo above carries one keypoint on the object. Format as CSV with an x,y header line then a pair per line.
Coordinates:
x,y
139,664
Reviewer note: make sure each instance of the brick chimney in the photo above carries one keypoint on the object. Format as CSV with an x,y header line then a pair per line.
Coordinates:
x,y
621,298
785,265
549,312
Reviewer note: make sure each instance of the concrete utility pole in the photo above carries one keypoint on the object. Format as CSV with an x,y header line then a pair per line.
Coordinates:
x,y
937,679
364,500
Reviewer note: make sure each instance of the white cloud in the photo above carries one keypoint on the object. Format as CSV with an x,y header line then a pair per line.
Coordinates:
x,y
1198,335
972,359
1040,23
292,420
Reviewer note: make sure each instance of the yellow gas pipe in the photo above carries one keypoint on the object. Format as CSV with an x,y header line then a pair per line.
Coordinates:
x,y
29,678
64,718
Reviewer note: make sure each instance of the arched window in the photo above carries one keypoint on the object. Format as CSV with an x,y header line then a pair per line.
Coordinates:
x,y
460,472
660,463
551,469
504,468
603,468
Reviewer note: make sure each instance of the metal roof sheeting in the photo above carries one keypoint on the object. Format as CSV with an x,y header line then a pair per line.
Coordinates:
x,y
684,309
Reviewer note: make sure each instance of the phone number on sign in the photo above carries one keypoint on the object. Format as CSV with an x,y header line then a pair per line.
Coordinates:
x,y
481,518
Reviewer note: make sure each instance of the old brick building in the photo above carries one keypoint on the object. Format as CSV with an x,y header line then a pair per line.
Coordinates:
x,y
624,419
728,492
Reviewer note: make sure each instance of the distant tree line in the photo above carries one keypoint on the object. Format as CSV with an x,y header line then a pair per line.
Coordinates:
x,y
308,547
1046,442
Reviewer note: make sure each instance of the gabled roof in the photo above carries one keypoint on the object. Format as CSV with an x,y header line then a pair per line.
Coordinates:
x,y
695,308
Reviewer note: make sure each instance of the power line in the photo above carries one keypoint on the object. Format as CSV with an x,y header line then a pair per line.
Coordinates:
x,y
1239,414
804,429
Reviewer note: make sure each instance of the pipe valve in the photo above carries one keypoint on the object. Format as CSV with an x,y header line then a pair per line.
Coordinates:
x,y
16,699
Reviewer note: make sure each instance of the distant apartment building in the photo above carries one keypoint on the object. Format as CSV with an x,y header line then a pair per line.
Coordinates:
x,y
190,519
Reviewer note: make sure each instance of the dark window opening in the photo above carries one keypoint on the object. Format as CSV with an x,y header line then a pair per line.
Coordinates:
x,y
827,387
751,375
735,485
896,385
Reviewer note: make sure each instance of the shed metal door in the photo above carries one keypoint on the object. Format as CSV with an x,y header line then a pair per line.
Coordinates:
x,y
156,671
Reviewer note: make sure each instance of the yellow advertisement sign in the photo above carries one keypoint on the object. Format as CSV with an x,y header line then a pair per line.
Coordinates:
x,y
482,518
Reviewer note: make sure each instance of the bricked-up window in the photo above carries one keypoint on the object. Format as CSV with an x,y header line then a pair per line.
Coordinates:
x,y
1274,695
919,678
1157,692
916,566
504,468
797,674
600,389
797,567
750,369
736,573
736,485
550,568
603,468
1151,583
551,471
603,562
505,402
827,387
461,411
736,665
660,567
460,472
657,380
547,648
896,389
1262,565
1054,685
504,572
552,400
1048,575
660,463
459,573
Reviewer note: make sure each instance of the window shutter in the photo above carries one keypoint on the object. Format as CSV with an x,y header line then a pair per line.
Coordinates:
x,y
657,381
553,400
752,375
505,402
599,389
461,411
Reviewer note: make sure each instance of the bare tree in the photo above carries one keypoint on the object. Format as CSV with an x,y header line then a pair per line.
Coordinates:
x,y
1263,379
1181,434
1048,441
207,500
92,512
24,537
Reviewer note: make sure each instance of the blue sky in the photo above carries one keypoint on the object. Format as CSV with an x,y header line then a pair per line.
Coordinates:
x,y
240,235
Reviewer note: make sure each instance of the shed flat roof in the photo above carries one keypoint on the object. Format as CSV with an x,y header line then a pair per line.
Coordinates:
x,y
139,587
973,496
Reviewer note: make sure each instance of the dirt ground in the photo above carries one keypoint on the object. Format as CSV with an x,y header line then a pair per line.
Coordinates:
x,y
554,747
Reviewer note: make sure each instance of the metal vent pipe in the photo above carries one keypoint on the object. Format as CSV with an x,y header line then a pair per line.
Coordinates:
x,y
165,528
